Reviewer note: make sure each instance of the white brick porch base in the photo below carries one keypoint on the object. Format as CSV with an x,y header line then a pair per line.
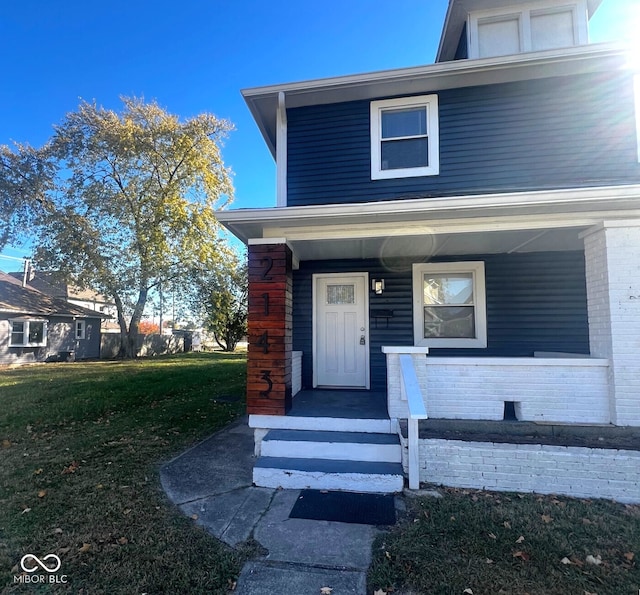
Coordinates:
x,y
544,469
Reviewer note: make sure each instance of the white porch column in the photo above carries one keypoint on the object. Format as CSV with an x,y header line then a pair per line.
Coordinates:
x,y
612,258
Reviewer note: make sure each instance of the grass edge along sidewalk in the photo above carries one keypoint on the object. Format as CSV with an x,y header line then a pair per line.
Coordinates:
x,y
80,449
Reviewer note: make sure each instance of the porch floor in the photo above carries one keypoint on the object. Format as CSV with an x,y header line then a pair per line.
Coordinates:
x,y
348,404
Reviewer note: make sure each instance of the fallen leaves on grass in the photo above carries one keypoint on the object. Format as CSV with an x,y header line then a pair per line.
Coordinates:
x,y
595,560
72,468
379,592
520,539
85,548
6,444
37,471
467,591
326,590
629,556
42,493
26,510
521,555
546,518
493,536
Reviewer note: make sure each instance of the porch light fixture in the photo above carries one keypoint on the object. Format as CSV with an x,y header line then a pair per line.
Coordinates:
x,y
377,285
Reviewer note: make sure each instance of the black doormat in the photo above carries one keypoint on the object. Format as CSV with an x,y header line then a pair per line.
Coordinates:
x,y
345,507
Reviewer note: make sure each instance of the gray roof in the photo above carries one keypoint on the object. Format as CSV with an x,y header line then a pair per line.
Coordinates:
x,y
15,299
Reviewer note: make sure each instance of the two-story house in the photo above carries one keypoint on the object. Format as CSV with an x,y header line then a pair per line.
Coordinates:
x,y
457,241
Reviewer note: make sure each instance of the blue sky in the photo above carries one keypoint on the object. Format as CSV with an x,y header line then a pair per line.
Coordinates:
x,y
196,55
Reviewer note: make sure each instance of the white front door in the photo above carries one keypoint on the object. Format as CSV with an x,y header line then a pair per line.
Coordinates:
x,y
341,330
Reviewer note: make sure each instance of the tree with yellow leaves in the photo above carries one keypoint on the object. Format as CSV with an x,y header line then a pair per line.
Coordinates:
x,y
132,203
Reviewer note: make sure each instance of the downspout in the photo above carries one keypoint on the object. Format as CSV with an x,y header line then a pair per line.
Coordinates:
x,y
281,152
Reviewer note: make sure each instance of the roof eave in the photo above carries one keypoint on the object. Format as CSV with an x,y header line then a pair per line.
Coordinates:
x,y
263,101
252,223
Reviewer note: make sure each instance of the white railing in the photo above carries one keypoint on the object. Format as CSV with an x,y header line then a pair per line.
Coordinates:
x,y
411,392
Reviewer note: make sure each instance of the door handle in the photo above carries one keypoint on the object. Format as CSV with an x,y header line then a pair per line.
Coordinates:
x,y
362,341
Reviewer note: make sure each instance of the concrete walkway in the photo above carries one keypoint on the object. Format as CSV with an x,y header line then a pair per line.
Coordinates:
x,y
213,480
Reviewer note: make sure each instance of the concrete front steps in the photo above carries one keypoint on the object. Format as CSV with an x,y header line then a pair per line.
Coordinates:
x,y
367,460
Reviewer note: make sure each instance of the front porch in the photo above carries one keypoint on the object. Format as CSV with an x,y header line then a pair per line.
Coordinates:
x,y
343,404
530,312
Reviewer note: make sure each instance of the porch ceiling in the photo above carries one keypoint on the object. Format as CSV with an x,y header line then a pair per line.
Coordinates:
x,y
487,224
444,244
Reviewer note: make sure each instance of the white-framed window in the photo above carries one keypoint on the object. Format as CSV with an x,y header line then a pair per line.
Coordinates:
x,y
28,333
527,28
404,137
81,329
449,304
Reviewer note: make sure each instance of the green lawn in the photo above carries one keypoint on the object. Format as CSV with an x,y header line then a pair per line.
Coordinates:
x,y
80,449
489,543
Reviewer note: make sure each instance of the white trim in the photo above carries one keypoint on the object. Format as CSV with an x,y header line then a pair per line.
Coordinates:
x,y
539,207
608,224
411,74
476,268
584,361
334,424
281,151
636,96
25,332
314,298
266,241
404,349
430,103
83,329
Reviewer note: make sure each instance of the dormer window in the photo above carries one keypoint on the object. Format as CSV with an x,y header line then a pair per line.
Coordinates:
x,y
404,137
540,26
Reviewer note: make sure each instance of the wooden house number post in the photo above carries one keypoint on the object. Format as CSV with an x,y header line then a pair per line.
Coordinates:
x,y
270,329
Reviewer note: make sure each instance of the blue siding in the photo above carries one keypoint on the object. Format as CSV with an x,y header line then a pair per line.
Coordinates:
x,y
565,132
535,302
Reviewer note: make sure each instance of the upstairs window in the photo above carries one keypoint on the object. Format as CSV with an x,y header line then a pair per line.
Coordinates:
x,y
404,137
28,333
543,25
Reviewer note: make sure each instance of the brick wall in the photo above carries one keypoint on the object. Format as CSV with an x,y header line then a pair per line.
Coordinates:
x,y
543,389
612,264
572,471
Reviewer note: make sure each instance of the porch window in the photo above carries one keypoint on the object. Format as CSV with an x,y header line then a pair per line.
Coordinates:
x,y
28,333
404,137
449,305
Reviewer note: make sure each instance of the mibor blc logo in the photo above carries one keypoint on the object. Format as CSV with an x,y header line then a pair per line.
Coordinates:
x,y
31,564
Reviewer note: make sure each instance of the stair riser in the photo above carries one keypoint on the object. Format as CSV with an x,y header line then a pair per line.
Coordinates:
x,y
353,482
388,453
282,422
